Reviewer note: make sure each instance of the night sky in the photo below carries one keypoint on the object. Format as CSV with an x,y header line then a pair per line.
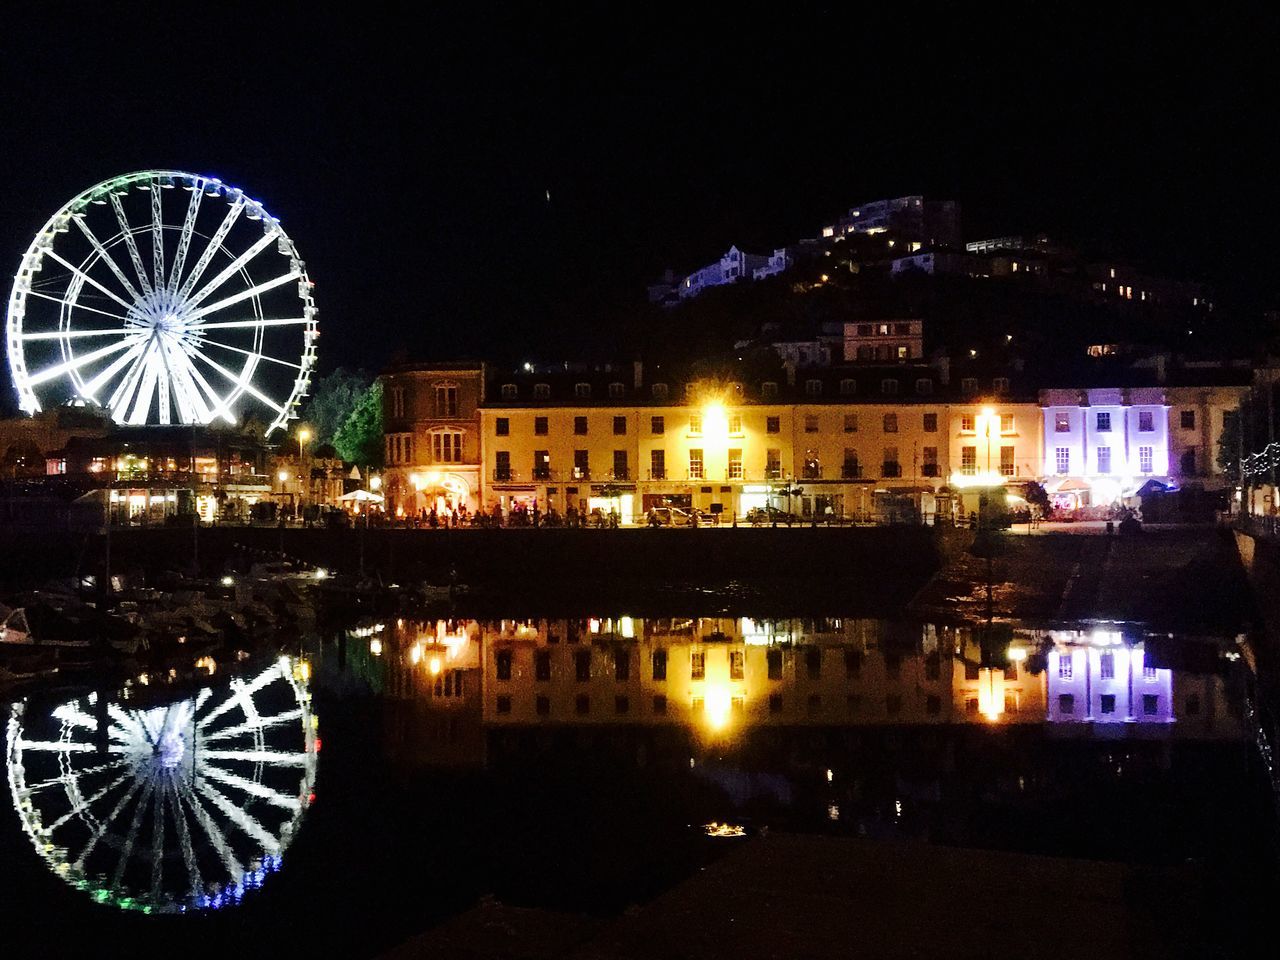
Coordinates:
x,y
410,158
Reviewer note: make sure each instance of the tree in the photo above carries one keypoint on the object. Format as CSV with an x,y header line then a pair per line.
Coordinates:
x,y
1036,496
333,399
359,439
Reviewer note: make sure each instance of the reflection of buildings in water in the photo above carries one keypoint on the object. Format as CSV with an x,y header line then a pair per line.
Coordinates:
x,y
716,675
165,809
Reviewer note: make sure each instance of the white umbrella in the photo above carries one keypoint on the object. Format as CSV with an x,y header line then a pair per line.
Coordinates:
x,y
361,496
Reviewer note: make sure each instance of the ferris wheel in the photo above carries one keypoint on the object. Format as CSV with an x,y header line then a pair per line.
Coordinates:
x,y
187,806
163,297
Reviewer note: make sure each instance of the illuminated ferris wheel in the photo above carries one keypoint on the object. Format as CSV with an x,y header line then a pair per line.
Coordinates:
x,y
187,806
163,297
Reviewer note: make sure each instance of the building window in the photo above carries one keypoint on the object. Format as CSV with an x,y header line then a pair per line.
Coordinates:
x,y
1062,422
657,465
1104,421
773,662
657,425
620,468
619,426
889,387
695,424
1150,704
582,666
1062,456
542,666
697,665
1000,384
971,706
850,469
1006,462
850,423
735,664
891,467
621,665
813,387
1146,421
969,386
773,425
446,401
540,426
811,423
735,424
967,422
582,704
504,659
848,387
502,465
735,464
773,465
1066,704
504,704
812,466
968,461
1144,459
582,390
502,427
933,705
580,426
1065,666
930,423
1104,459
1107,666
924,387
616,391
769,389
659,705
658,661
509,391
446,446
659,391
397,401
542,391
930,464
581,465
890,423
1188,419
813,662
695,464
1006,423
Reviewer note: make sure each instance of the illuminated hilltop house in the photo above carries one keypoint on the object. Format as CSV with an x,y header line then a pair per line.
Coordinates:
x,y
735,265
1101,446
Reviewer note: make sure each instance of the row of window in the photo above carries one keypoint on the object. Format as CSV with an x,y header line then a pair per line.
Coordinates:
x,y
769,389
445,395
1102,421
1106,668
813,704
852,660
733,424
1146,460
446,447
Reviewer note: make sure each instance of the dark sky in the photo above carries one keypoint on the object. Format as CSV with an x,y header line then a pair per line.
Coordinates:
x,y
409,157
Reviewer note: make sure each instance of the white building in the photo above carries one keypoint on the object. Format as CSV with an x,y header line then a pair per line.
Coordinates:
x,y
1102,445
735,265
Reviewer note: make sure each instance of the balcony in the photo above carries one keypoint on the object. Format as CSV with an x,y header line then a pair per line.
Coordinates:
x,y
580,473
890,469
851,470
773,472
620,474
812,472
930,470
542,473
658,474
503,474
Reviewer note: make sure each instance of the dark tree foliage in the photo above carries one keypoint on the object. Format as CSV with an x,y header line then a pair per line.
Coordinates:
x,y
333,398
359,439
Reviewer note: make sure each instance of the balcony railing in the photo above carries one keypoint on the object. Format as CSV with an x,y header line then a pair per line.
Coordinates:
x,y
503,474
623,474
851,470
658,474
542,473
580,473
930,470
890,469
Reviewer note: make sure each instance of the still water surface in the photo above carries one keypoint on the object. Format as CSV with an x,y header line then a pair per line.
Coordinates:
x,y
352,791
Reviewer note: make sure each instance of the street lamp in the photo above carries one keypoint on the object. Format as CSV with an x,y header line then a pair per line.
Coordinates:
x,y
375,482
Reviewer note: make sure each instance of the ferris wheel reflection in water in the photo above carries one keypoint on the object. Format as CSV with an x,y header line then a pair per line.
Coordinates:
x,y
184,806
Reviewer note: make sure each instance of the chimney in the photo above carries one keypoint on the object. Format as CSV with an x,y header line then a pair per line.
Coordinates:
x,y
637,374
789,366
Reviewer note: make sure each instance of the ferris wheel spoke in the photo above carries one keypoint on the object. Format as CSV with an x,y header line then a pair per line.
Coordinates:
x,y
249,826
64,779
277,758
130,244
126,720
106,822
78,306
125,389
255,356
53,255
230,270
77,334
250,787
157,836
146,391
242,324
131,837
157,237
262,723
190,406
107,258
214,245
65,746
86,803
184,841
184,242
205,400
242,295
247,386
238,690
91,388
211,829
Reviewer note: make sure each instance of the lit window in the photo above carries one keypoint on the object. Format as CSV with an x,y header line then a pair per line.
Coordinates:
x,y
446,401
1006,423
1006,462
1104,422
1062,456
967,423
735,423
735,464
1065,666
1062,422
657,425
1144,459
695,464
1104,459
968,461
695,423
1107,666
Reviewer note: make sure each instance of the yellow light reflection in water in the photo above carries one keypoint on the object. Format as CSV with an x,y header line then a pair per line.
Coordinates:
x,y
717,702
